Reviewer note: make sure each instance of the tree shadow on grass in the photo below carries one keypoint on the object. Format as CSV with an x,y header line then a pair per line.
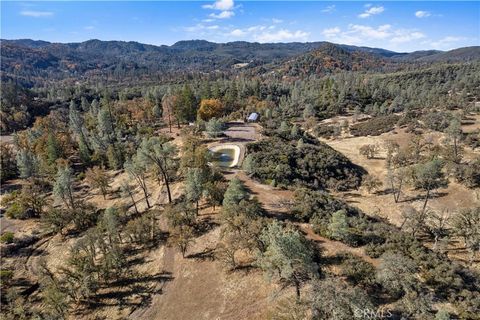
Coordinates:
x,y
207,254
137,293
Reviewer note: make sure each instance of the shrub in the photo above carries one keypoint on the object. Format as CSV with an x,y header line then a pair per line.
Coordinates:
x,y
314,165
7,237
357,270
375,126
437,121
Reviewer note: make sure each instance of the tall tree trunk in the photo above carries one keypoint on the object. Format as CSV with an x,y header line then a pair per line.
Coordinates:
x,y
426,200
134,203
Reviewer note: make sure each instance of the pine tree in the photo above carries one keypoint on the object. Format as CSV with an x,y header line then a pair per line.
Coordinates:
x,y
338,227
63,186
287,256
27,164
194,185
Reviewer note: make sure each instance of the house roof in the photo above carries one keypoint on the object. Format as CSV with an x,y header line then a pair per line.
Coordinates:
x,y
253,116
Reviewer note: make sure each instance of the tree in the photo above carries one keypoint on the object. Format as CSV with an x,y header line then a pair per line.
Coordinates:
x,y
109,224
8,165
396,179
56,219
157,112
338,227
63,186
396,273
210,108
287,256
214,127
466,225
413,220
195,185
235,193
371,183
333,299
168,102
127,191
54,149
214,191
185,105
437,224
454,133
27,163
158,152
248,164
137,170
97,177
429,177
308,112
182,237
369,150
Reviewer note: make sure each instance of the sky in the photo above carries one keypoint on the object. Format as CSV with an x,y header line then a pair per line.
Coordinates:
x,y
394,25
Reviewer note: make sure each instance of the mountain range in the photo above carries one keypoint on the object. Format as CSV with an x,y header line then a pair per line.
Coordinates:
x,y
30,59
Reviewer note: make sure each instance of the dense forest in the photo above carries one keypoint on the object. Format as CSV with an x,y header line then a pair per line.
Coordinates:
x,y
102,130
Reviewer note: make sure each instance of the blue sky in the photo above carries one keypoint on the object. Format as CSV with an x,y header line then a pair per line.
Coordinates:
x,y
395,25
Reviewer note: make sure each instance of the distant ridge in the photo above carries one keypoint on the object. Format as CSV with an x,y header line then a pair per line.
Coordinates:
x,y
37,59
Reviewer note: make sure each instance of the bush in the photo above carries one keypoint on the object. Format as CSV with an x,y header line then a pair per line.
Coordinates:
x,y
357,270
7,237
326,130
437,121
314,165
375,126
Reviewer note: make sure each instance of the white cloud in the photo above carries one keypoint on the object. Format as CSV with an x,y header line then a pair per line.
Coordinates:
x,y
222,5
357,34
331,32
329,9
371,11
368,32
268,33
222,15
274,20
422,14
238,33
446,43
402,36
281,35
36,14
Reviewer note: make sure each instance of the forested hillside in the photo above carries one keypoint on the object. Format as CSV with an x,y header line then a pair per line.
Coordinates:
x,y
135,184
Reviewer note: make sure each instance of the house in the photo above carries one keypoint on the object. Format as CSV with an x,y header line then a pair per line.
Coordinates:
x,y
253,117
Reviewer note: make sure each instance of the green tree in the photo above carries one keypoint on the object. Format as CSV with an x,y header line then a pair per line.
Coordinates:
x,y
195,185
333,299
454,133
27,163
466,225
157,112
158,152
8,164
185,106
137,170
54,149
63,186
338,227
128,191
396,273
214,128
429,177
97,177
287,256
235,193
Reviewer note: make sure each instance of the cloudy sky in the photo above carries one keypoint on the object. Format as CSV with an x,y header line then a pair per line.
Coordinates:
x,y
394,25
